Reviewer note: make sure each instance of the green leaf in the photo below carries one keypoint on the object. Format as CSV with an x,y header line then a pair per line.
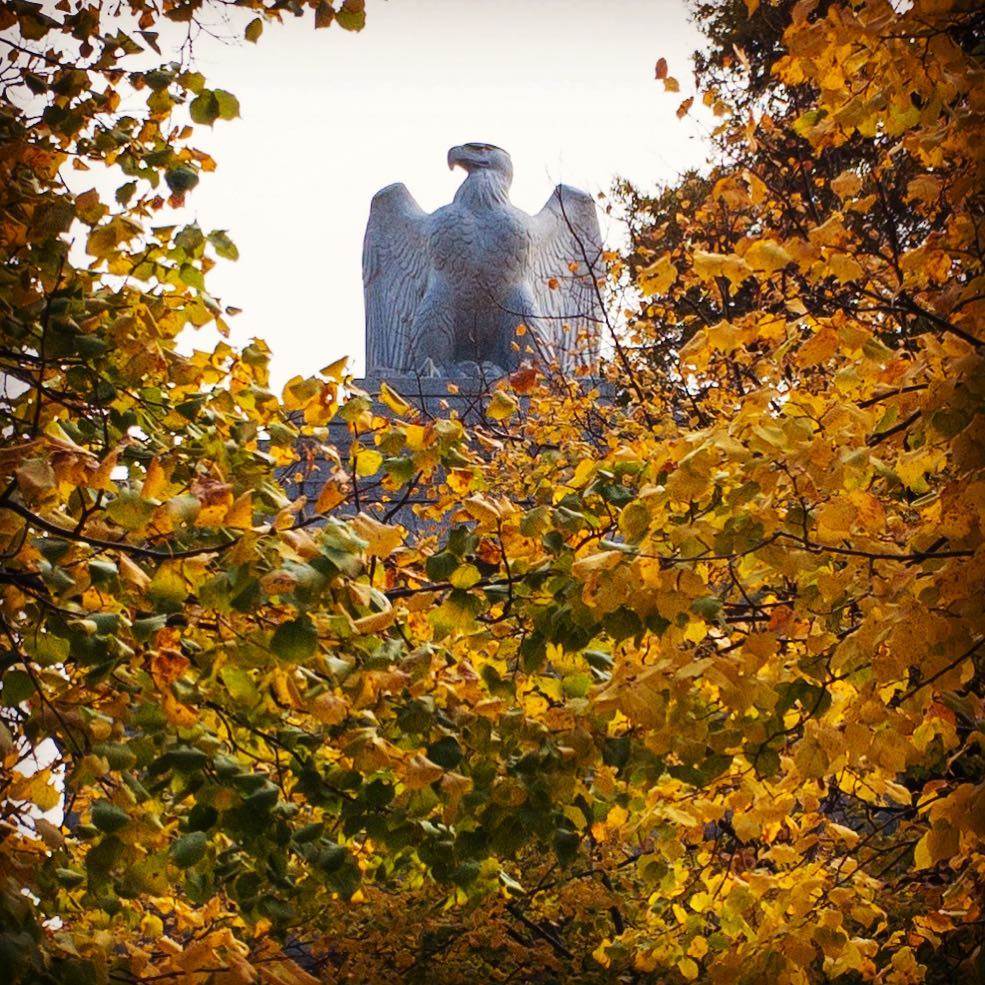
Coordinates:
x,y
240,685
223,245
192,81
16,687
129,511
352,16
445,752
466,576
577,685
228,104
125,192
108,817
709,607
167,588
192,276
180,180
295,641
204,108
47,649
186,759
70,877
119,756
441,566
189,849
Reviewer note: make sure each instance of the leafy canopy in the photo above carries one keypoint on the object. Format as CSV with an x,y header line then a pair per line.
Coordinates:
x,y
688,683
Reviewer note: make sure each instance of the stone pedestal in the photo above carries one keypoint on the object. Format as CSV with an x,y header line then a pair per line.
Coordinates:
x,y
431,398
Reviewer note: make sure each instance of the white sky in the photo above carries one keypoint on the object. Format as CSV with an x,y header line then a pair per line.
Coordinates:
x,y
330,117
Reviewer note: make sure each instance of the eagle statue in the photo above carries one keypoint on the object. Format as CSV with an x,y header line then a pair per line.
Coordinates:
x,y
446,291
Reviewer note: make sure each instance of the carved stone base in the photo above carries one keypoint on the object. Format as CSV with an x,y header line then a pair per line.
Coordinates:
x,y
433,398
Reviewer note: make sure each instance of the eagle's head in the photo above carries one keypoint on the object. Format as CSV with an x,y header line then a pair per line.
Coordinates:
x,y
482,157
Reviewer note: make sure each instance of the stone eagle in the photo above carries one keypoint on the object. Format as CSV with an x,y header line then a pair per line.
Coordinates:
x,y
446,291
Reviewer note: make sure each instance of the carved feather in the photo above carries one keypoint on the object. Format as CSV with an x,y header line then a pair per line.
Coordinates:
x,y
395,275
566,232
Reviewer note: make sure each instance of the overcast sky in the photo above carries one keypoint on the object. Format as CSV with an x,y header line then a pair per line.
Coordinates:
x,y
330,117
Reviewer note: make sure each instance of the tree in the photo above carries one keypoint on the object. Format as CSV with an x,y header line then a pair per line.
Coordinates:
x,y
697,694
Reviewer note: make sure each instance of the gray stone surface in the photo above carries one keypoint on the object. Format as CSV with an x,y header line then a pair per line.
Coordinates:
x,y
431,397
446,291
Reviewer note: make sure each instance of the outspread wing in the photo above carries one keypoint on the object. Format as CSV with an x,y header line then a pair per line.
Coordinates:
x,y
395,275
568,254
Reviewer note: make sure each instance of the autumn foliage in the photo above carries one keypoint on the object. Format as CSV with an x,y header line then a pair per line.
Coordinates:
x,y
683,684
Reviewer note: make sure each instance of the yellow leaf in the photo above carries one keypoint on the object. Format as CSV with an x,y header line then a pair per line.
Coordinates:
x,y
330,496
819,348
746,828
376,621
133,573
710,266
847,835
583,472
420,772
155,481
845,268
501,406
700,901
767,255
329,709
239,516
176,712
671,84
416,436
602,561
34,478
368,462
381,540
600,954
846,185
395,402
656,278
836,518
482,508
36,789
698,947
939,843
811,759
911,467
151,926
685,485
924,188
336,370
688,968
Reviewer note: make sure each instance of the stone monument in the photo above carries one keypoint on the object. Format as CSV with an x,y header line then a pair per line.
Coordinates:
x,y
446,291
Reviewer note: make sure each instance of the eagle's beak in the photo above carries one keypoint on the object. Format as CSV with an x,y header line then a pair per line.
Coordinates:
x,y
455,157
